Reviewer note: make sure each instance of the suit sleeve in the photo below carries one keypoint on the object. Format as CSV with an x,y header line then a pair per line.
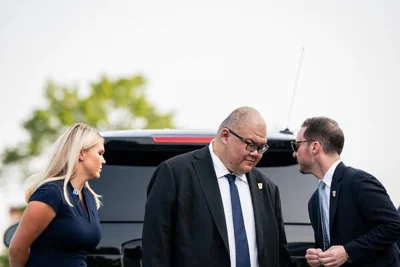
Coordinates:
x,y
159,219
376,207
284,256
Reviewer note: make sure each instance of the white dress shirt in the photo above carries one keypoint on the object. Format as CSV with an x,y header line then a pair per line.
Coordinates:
x,y
247,209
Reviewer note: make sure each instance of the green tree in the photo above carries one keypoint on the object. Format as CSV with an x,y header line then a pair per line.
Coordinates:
x,y
4,260
110,104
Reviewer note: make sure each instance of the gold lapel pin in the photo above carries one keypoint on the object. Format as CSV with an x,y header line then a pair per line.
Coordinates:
x,y
260,185
334,193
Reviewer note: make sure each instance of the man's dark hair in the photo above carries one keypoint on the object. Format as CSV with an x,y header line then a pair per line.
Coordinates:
x,y
326,131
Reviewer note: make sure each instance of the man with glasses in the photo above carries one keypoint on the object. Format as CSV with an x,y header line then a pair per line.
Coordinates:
x,y
212,208
355,223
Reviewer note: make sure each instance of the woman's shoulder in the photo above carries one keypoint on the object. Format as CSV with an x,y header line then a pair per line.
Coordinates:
x,y
50,193
52,186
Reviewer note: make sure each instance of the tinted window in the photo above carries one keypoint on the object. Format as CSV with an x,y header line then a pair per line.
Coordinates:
x,y
295,190
124,179
123,190
125,176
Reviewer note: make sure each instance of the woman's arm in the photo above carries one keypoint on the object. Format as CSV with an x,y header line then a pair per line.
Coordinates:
x,y
34,221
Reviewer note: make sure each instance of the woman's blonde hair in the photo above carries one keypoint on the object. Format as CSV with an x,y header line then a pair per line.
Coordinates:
x,y
64,160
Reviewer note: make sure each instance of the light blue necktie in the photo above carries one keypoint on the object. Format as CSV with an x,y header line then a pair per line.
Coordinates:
x,y
324,211
242,247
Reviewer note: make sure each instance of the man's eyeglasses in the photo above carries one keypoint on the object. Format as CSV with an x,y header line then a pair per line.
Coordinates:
x,y
250,146
296,144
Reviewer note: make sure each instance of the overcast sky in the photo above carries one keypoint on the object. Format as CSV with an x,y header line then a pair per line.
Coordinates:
x,y
204,58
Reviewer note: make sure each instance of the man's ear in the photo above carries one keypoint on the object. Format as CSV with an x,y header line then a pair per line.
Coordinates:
x,y
224,135
315,147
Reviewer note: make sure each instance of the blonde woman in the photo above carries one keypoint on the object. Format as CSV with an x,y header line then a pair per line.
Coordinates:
x,y
61,223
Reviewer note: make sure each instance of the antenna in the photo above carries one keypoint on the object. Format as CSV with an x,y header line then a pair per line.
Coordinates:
x,y
287,131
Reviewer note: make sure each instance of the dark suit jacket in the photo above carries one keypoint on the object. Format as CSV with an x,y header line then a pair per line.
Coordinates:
x,y
184,222
362,218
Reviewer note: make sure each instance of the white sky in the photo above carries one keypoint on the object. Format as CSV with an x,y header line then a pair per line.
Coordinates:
x,y
205,58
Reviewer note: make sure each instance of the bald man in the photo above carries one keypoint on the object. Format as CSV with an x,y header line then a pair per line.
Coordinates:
x,y
212,207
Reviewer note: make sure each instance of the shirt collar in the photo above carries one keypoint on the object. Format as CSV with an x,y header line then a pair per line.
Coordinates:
x,y
219,167
329,174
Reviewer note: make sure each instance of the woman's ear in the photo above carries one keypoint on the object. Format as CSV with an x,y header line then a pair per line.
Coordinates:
x,y
81,156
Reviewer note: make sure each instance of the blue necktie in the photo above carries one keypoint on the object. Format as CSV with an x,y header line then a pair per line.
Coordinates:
x,y
242,247
323,207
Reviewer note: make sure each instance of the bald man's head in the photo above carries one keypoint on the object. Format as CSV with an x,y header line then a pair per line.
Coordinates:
x,y
242,117
241,139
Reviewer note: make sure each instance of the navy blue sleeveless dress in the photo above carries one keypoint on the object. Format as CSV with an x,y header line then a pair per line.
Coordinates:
x,y
71,234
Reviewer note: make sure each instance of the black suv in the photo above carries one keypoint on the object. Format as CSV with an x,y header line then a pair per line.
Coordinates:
x,y
131,158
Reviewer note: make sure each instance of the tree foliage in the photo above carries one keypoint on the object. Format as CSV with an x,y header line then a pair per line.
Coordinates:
x,y
4,260
110,104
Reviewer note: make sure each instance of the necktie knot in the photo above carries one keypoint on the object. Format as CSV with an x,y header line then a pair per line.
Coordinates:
x,y
321,186
231,178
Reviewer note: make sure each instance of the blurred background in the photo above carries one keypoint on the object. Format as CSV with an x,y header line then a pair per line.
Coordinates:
x,y
187,64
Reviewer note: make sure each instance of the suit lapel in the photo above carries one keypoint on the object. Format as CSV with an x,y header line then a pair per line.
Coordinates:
x,y
204,169
257,188
334,195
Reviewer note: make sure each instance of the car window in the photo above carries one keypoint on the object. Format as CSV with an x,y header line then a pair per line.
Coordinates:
x,y
124,179
123,190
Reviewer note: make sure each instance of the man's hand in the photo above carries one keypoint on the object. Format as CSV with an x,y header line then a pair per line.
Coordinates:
x,y
333,257
312,257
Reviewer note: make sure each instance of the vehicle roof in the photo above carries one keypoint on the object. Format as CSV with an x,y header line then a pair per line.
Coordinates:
x,y
179,132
